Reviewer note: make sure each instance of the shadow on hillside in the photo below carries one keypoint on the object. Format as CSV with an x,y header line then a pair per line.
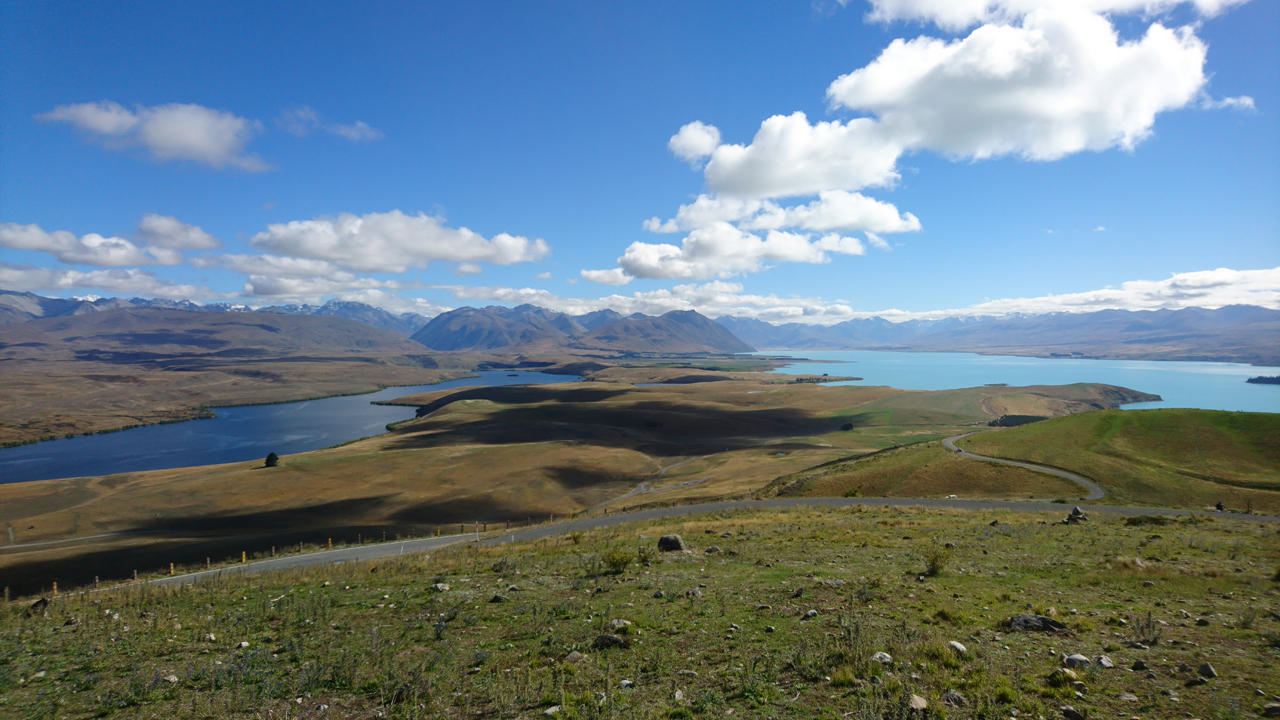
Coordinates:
x,y
536,414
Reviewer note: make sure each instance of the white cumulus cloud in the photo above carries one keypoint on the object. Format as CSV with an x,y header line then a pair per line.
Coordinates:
x,y
169,132
130,281
960,14
393,242
722,250
90,249
694,141
169,232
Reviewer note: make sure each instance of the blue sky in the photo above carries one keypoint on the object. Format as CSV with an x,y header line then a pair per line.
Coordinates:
x,y
953,157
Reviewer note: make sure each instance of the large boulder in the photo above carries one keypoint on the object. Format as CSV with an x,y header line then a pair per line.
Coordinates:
x,y
671,543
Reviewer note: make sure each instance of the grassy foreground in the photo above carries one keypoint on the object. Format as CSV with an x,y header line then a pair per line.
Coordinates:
x,y
1175,457
781,621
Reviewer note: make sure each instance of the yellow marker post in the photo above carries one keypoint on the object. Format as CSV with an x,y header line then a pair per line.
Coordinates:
x,y
244,556
330,543
55,588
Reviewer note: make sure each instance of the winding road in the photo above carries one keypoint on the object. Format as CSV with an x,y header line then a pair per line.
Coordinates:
x,y
1095,492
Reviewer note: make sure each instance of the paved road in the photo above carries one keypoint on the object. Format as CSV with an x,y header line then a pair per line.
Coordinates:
x,y
1095,492
383,550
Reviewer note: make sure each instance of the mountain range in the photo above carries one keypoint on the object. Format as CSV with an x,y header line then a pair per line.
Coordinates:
x,y
531,328
1237,333
16,307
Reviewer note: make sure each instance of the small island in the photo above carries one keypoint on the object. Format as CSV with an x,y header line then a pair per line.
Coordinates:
x,y
1265,380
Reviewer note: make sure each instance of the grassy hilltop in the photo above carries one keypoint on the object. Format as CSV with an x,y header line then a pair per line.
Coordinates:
x,y
1176,458
771,614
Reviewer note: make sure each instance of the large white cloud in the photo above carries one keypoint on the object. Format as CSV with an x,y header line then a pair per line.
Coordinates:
x,y
1038,79
308,289
90,249
169,232
1059,82
130,281
169,132
393,242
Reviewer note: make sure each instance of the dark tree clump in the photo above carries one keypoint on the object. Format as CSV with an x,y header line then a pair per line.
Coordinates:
x,y
272,460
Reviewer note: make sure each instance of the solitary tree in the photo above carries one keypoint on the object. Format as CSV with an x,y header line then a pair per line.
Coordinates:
x,y
272,460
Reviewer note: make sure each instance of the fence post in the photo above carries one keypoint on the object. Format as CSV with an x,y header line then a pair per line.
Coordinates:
x,y
55,588
330,543
170,568
244,556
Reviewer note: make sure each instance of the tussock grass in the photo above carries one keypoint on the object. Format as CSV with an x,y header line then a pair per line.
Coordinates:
x,y
369,638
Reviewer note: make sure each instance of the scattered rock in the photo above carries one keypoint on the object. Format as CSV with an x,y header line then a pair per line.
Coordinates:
x,y
210,637
1206,670
171,679
1076,660
769,628
1071,713
575,657
1202,622
764,607
1067,676
440,587
1196,682
609,641
1271,710
955,699
957,648
1148,583
626,684
1035,623
994,523
1139,664
713,550
833,582
678,696
671,543
883,658
553,710
810,614
618,624
693,593
498,599
38,607
242,645
918,703
1128,697
1103,661
692,673
659,595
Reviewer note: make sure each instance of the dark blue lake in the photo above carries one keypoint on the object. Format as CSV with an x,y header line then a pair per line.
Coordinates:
x,y
236,435
1204,385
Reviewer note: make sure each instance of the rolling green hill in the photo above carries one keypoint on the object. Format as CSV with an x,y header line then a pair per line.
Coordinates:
x,y
1175,457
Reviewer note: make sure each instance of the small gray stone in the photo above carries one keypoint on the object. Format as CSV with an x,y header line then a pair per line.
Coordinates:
x,y
553,710
918,703
1271,710
810,614
957,648
659,595
440,587
875,680
1148,583
671,543
951,697
626,684
1035,623
883,658
498,599
769,628
764,607
1128,697
171,679
1206,670
575,657
1139,664
1103,661
693,593
618,624
692,673
712,550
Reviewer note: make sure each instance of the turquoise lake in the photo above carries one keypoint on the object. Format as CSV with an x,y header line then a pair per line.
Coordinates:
x,y
1206,385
